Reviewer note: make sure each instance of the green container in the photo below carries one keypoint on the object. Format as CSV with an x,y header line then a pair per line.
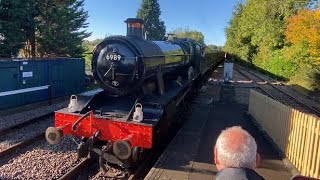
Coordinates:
x,y
25,81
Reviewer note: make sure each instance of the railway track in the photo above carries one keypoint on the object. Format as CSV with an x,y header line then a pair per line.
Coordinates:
x,y
292,90
73,172
21,144
23,134
24,153
278,92
39,161
93,172
22,124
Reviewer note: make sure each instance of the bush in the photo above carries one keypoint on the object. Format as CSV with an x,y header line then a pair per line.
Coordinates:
x,y
276,64
307,78
88,58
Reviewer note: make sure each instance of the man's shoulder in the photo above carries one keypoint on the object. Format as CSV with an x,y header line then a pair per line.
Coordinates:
x,y
238,173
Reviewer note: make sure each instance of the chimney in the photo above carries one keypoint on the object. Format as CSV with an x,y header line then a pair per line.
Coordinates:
x,y
134,27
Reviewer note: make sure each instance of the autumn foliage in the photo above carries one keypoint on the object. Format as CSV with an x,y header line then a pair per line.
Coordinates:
x,y
281,38
304,29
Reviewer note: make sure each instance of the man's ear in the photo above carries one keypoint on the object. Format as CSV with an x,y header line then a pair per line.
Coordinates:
x,y
215,159
257,160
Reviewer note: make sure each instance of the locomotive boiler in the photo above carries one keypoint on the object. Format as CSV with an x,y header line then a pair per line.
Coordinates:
x,y
144,84
122,63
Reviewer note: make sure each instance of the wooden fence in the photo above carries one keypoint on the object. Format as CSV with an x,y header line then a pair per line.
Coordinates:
x,y
295,133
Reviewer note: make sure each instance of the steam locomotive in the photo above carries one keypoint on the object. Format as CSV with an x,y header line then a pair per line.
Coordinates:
x,y
143,84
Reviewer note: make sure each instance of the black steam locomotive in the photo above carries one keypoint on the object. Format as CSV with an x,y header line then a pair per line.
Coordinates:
x,y
121,64
143,86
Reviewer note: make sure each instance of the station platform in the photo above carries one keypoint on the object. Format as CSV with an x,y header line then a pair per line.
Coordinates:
x,y
190,154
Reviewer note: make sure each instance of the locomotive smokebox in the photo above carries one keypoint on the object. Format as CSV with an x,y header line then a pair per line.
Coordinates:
x,y
135,27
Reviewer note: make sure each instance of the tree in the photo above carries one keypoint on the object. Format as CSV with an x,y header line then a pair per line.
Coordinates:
x,y
304,29
187,33
257,28
150,13
89,46
303,36
29,27
214,47
275,36
59,28
234,44
12,19
43,28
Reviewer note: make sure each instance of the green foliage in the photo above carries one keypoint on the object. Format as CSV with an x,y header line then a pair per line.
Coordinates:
x,y
258,34
280,66
215,48
306,78
315,76
187,33
150,13
59,28
259,23
43,28
13,16
89,46
238,43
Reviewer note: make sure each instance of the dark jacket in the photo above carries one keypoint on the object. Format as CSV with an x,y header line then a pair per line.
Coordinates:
x,y
238,174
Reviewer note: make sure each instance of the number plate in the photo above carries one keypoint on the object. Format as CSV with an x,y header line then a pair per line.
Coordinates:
x,y
113,57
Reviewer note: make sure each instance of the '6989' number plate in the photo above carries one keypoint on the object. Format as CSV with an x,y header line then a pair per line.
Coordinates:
x,y
113,57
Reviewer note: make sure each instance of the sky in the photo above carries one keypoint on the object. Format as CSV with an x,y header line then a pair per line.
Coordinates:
x,y
207,16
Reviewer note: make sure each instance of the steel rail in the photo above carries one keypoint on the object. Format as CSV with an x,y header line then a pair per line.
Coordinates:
x,y
74,171
12,128
22,144
315,110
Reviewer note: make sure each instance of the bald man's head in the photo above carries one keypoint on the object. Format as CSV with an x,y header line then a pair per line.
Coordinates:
x,y
235,148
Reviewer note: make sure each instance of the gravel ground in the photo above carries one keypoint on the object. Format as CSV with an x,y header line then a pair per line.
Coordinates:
x,y
298,95
10,120
24,133
41,161
239,77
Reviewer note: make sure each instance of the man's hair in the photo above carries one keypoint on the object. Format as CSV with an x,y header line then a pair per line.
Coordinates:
x,y
243,156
